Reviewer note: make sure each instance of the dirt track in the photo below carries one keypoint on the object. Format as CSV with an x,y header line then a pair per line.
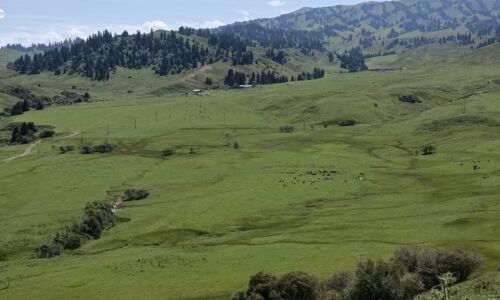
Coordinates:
x,y
31,147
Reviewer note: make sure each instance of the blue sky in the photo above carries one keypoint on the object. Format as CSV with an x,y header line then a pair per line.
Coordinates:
x,y
30,21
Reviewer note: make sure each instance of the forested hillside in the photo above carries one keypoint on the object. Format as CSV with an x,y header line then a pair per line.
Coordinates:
x,y
345,34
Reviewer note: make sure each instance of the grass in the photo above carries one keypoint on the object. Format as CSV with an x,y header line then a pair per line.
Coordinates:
x,y
217,217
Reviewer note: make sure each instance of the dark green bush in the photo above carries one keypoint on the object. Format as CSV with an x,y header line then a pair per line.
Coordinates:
x,y
49,251
410,99
345,123
428,150
133,195
65,149
167,153
47,134
298,286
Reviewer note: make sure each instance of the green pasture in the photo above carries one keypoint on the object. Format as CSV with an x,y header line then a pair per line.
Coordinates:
x,y
318,200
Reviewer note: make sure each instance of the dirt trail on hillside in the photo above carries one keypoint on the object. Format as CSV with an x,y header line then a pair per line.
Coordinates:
x,y
204,69
32,147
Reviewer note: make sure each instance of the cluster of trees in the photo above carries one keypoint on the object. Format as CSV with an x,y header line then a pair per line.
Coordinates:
x,y
235,78
462,39
168,53
353,60
254,34
317,73
408,273
28,100
278,56
487,42
23,133
97,216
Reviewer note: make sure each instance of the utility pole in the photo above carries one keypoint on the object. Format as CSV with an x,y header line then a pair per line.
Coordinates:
x,y
170,113
107,131
135,123
224,118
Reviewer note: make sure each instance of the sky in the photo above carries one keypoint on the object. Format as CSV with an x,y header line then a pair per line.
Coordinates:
x,y
45,21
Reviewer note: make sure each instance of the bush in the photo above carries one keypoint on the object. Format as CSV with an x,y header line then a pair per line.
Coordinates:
x,y
87,149
337,286
47,134
167,153
345,123
435,262
65,149
374,281
298,286
410,99
133,195
263,285
49,251
428,150
287,129
103,148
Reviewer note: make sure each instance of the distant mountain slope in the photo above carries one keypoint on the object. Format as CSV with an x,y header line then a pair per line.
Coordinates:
x,y
342,35
374,25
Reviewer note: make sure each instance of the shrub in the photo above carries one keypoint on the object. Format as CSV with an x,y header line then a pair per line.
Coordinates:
x,y
287,129
104,148
47,134
167,153
263,285
345,123
337,286
236,145
435,262
298,286
65,149
373,281
49,251
410,99
428,150
87,149
133,195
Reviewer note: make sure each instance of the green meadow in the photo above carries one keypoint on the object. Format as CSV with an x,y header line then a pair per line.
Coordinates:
x,y
318,200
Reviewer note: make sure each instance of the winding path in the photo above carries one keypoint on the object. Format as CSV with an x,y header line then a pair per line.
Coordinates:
x,y
32,147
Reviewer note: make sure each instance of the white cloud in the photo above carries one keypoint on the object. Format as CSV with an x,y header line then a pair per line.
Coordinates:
x,y
28,35
276,3
245,13
2,14
204,24
155,25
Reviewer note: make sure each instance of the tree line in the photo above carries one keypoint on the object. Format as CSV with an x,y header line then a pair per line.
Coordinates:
x,y
234,78
100,54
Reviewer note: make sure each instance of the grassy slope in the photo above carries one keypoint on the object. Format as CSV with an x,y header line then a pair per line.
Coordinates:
x,y
215,218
